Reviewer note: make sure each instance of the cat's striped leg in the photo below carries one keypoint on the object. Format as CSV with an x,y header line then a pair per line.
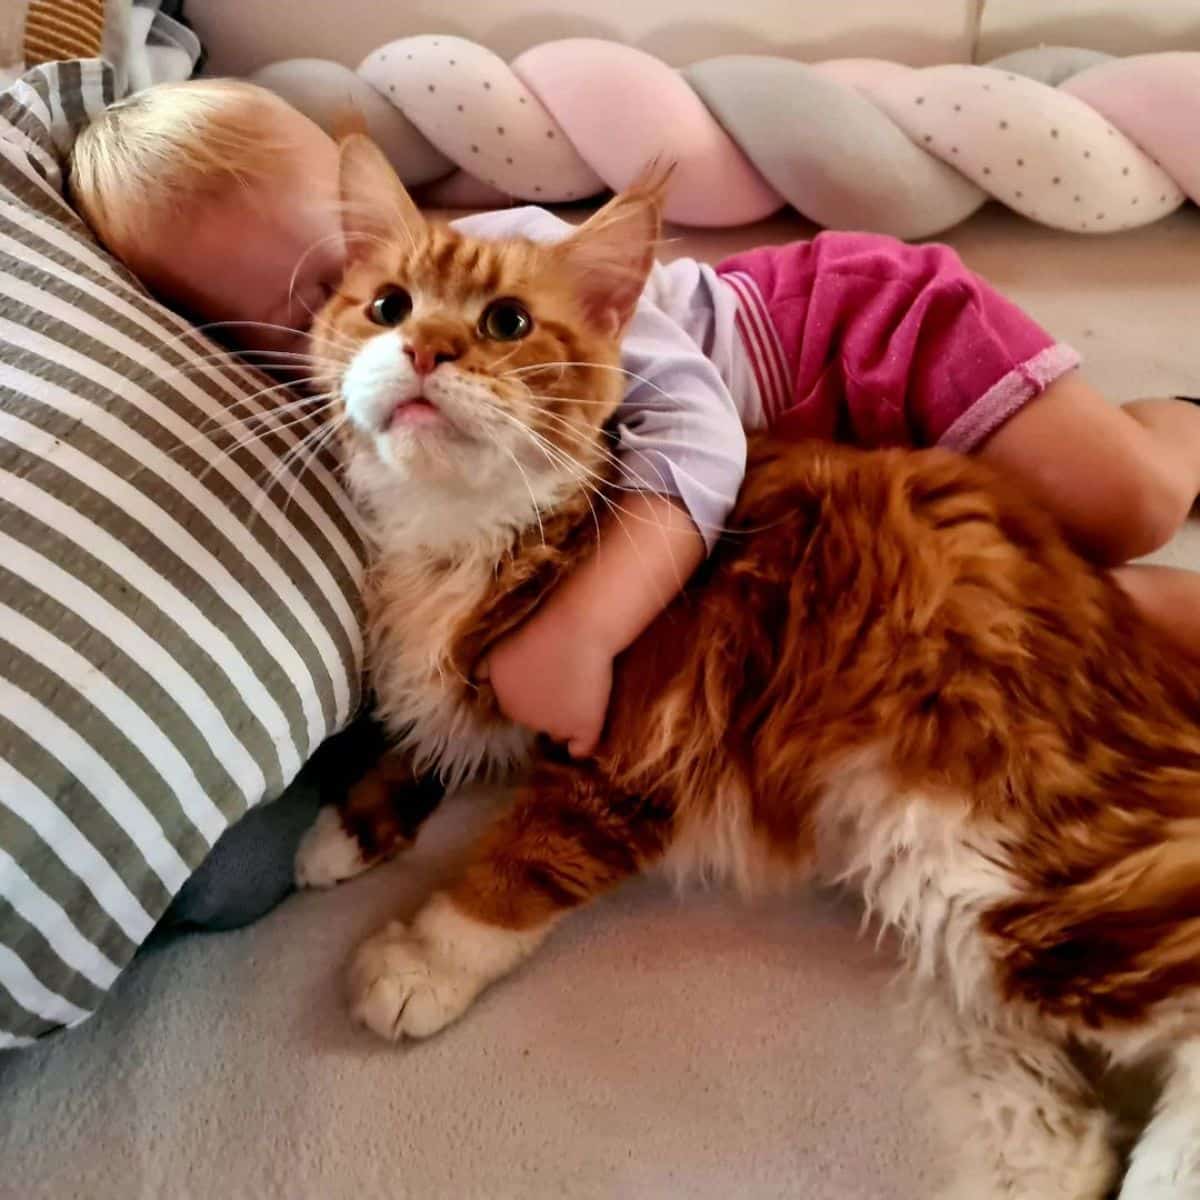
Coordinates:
x,y
566,840
1165,1164
376,818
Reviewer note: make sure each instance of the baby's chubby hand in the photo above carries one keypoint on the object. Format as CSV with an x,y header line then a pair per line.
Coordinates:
x,y
553,676
554,673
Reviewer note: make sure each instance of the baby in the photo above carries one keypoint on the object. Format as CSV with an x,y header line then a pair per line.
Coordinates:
x,y
223,199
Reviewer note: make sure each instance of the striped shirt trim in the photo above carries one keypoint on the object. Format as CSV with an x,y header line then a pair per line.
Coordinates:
x,y
762,345
1005,398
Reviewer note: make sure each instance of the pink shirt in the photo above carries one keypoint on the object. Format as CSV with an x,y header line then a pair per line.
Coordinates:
x,y
860,338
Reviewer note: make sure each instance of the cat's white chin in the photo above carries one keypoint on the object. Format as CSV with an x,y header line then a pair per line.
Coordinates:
x,y
429,446
418,415
444,426
439,463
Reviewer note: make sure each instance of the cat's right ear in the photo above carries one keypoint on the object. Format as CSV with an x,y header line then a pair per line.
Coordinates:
x,y
612,253
376,206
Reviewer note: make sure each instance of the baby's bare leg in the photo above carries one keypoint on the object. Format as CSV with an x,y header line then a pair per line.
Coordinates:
x,y
1120,480
1170,597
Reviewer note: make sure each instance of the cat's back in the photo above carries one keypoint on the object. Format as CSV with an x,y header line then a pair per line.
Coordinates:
x,y
932,602
926,544
916,505
887,636
854,589
914,600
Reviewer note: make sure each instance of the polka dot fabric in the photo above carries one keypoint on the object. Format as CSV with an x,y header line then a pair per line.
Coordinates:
x,y
481,116
1156,106
1043,153
1068,138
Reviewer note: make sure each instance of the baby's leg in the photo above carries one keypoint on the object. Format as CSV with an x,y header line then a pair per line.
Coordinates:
x,y
1169,596
1120,480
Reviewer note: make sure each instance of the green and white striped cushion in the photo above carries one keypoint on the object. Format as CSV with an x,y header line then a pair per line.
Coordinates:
x,y
176,638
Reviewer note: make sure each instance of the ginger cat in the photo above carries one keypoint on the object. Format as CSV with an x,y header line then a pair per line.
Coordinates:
x,y
892,673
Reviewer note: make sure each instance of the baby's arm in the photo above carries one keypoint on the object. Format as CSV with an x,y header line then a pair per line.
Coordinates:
x,y
682,454
554,673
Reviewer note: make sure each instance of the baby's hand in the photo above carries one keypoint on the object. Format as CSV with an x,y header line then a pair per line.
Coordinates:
x,y
554,673
551,677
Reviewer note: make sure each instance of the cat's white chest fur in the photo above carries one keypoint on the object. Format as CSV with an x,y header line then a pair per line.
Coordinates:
x,y
434,565
925,870
421,694
445,502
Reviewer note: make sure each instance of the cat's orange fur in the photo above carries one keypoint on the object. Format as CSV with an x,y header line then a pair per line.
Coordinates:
x,y
893,672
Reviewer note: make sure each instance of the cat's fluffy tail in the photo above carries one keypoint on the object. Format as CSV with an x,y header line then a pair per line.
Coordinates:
x,y
1112,948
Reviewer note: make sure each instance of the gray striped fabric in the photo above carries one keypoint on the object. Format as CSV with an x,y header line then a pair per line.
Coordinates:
x,y
177,635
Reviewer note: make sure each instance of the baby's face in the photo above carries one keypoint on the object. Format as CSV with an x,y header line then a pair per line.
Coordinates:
x,y
259,262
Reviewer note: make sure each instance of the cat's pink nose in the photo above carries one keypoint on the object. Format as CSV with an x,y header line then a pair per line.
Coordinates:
x,y
428,355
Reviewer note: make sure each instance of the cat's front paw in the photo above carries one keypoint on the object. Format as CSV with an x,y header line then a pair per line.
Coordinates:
x,y
327,854
397,990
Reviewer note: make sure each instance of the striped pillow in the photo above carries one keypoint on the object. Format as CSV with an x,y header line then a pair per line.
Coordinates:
x,y
176,635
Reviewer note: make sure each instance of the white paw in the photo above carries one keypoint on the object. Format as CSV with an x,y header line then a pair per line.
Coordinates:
x,y
396,989
327,854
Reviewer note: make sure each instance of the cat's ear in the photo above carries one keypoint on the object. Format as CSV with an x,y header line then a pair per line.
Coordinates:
x,y
612,253
376,206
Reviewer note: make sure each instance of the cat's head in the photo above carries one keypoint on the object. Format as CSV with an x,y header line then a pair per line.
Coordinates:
x,y
482,369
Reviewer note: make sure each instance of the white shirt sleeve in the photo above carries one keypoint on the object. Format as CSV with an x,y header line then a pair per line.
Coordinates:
x,y
528,221
679,431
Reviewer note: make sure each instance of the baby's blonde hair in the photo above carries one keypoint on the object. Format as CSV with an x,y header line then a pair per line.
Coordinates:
x,y
146,161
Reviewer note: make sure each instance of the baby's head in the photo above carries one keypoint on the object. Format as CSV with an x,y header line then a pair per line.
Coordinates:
x,y
222,198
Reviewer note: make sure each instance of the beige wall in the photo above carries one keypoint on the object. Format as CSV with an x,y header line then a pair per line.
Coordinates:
x,y
1116,26
243,35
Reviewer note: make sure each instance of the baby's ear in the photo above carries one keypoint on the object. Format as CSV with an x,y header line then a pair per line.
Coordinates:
x,y
612,253
376,207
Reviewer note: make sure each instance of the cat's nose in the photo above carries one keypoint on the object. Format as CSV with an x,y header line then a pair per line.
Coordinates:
x,y
426,355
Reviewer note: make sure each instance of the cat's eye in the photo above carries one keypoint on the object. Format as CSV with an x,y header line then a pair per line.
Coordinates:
x,y
390,306
505,321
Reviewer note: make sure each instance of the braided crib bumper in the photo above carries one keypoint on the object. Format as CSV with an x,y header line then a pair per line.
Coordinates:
x,y
1072,139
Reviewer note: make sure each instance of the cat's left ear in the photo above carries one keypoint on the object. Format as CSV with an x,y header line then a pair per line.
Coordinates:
x,y
612,253
376,206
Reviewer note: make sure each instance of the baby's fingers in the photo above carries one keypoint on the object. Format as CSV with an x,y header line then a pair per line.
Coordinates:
x,y
581,747
582,744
